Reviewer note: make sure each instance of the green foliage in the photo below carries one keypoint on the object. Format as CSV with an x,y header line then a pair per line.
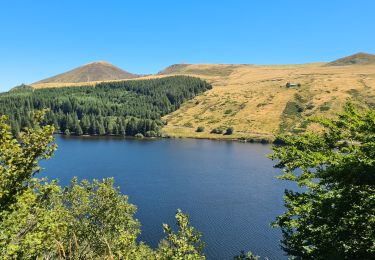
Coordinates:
x,y
325,107
151,134
291,115
67,132
84,220
228,111
309,106
293,109
100,220
229,131
188,124
185,244
110,108
217,130
31,224
333,217
200,129
139,135
19,157
21,88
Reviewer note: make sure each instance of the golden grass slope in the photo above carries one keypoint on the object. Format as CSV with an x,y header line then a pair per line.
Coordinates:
x,y
253,99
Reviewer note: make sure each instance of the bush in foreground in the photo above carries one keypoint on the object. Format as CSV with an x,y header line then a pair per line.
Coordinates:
x,y
85,220
333,217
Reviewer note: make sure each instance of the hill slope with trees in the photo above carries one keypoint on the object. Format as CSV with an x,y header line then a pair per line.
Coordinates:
x,y
110,108
258,102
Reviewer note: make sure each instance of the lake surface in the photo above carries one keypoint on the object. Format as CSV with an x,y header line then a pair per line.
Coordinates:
x,y
229,189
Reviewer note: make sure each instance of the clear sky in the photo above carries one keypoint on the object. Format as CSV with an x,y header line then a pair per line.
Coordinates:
x,y
42,38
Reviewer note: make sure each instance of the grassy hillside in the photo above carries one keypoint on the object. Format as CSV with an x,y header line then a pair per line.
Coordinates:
x,y
255,101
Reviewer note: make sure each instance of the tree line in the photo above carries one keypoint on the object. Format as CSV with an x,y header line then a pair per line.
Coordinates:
x,y
122,108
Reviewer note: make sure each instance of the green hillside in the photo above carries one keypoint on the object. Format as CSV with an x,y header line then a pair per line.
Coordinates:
x,y
110,108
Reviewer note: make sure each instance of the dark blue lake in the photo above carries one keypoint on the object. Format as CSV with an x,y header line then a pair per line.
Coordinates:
x,y
229,189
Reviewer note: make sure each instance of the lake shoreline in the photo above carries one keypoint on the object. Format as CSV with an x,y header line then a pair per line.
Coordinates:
x,y
241,139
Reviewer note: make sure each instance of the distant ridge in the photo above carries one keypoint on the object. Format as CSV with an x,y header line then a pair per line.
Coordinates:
x,y
95,71
360,58
173,69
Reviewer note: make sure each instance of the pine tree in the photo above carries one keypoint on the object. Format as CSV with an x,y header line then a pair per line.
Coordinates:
x,y
101,129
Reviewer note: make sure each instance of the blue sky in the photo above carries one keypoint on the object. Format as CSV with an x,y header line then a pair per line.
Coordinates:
x,y
43,38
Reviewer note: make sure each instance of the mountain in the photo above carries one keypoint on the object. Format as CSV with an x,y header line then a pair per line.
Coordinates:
x,y
95,71
175,68
360,58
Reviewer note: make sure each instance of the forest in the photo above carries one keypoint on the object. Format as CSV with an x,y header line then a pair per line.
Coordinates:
x,y
126,108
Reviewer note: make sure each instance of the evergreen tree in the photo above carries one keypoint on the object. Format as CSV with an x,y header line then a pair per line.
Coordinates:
x,y
109,104
101,129
78,129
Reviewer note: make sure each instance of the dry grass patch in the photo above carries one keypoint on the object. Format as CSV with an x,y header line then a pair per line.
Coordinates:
x,y
253,99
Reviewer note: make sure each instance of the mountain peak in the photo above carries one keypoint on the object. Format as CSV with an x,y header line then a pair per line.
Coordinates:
x,y
173,68
360,58
94,71
100,62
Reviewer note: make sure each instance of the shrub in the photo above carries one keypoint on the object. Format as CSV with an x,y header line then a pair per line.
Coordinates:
x,y
188,124
151,134
229,131
325,107
217,130
139,135
228,111
200,129
293,109
310,106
